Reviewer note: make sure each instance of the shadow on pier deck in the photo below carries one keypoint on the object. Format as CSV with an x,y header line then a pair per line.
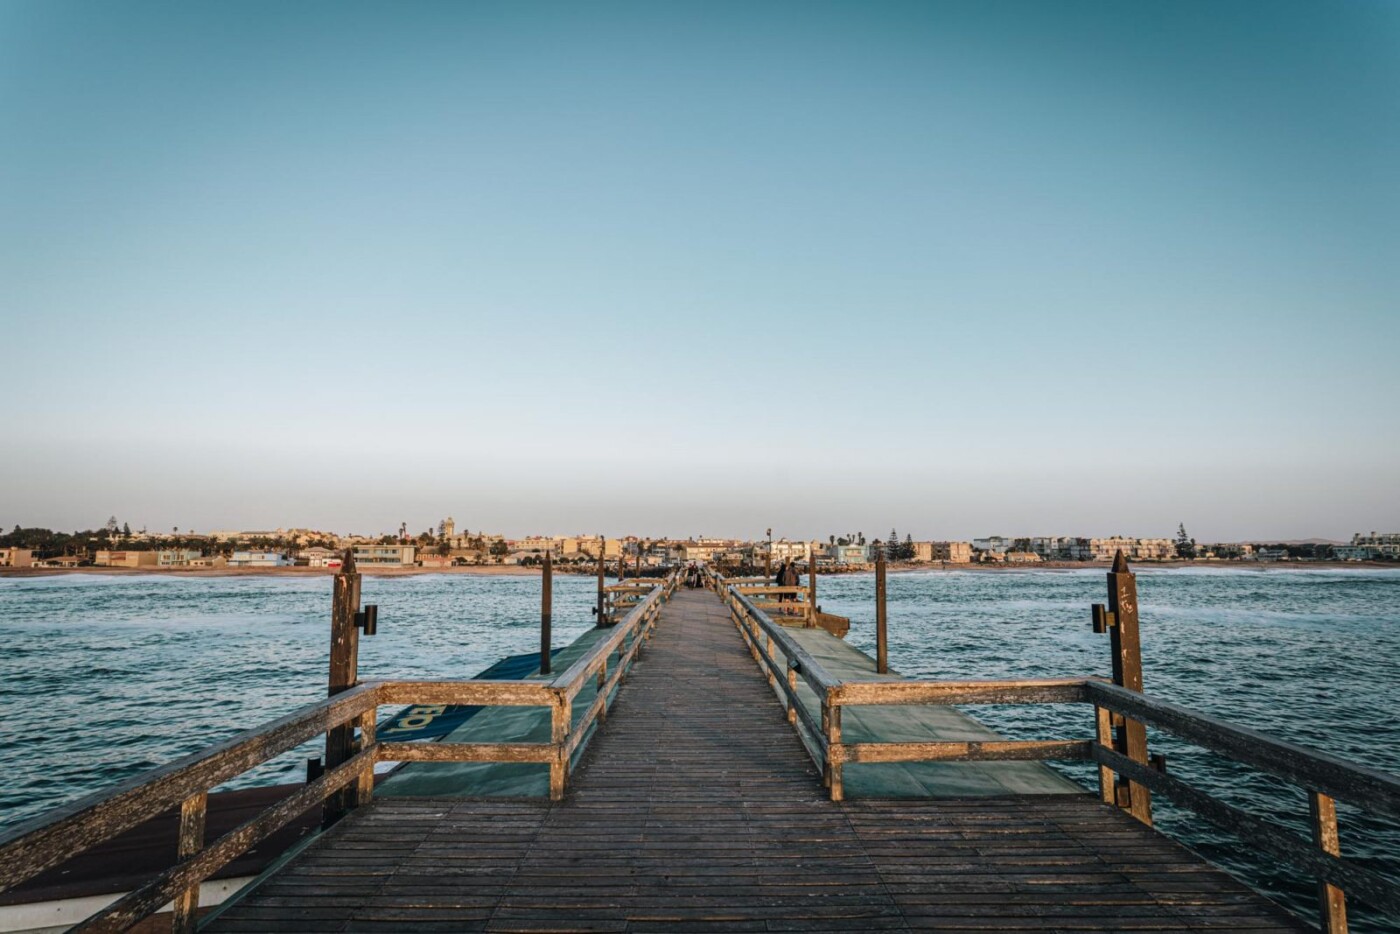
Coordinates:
x,y
697,808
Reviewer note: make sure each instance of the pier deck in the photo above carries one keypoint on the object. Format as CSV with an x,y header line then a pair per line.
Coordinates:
x,y
697,808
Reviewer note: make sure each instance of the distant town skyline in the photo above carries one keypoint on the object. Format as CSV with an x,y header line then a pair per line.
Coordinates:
x,y
1020,268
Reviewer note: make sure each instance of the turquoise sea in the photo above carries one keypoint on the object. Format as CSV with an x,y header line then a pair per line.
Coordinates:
x,y
103,677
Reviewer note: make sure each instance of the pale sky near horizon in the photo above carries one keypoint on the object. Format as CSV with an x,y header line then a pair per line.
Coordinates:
x,y
667,268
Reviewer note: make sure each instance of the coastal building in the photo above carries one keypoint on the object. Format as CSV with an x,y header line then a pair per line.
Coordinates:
x,y
846,555
1134,549
177,557
783,550
952,552
209,561
126,559
923,552
995,544
394,556
320,557
16,558
259,559
435,561
1051,547
1385,544
1023,557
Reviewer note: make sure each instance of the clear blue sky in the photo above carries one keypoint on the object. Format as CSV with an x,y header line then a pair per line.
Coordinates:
x,y
1017,268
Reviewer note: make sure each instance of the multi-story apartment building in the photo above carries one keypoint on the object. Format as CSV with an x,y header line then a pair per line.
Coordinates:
x,y
385,555
783,550
952,552
996,544
1134,549
16,558
923,552
177,557
1386,544
126,559
321,557
1051,547
848,554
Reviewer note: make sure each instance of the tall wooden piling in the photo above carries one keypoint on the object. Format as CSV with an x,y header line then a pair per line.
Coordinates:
x,y
768,558
811,586
602,580
546,611
882,648
344,672
1131,735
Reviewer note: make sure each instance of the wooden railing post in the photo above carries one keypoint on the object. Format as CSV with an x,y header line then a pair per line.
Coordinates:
x,y
792,692
185,916
344,672
1332,902
561,715
546,611
831,724
364,783
1121,621
882,649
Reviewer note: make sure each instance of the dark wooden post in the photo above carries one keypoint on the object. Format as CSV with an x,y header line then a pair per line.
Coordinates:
x,y
602,574
811,586
882,648
546,611
1130,735
768,558
344,672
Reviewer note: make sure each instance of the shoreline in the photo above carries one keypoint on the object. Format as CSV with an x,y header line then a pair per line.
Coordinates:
x,y
518,571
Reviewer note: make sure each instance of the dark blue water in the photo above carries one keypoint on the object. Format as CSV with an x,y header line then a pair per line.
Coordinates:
x,y
103,677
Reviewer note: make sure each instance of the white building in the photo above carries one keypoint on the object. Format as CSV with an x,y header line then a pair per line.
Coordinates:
x,y
259,559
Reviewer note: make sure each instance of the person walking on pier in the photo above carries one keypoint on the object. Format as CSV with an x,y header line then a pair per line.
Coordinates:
x,y
788,577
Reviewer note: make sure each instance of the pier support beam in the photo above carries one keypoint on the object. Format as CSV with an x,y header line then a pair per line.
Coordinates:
x,y
882,648
1129,736
546,611
344,672
602,581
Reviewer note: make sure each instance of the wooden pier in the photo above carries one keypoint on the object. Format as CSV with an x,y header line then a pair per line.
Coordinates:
x,y
696,775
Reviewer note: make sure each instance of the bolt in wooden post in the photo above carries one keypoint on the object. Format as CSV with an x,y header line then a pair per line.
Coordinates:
x,y
882,648
602,574
546,611
344,672
186,904
1127,672
1331,900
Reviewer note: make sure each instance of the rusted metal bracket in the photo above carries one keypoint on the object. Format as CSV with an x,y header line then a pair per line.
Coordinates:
x,y
368,619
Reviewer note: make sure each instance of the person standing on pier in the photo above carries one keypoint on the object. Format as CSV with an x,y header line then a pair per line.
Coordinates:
x,y
788,577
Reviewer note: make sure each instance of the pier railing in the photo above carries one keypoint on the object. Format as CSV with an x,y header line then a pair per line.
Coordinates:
x,y
1326,779
55,837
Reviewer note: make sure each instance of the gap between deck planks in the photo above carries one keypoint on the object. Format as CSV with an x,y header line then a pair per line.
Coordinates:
x,y
697,809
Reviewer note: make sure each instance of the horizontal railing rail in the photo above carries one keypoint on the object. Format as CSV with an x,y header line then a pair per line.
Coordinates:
x,y
53,838
1324,777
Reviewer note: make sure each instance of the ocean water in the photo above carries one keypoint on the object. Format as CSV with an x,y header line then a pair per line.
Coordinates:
x,y
104,677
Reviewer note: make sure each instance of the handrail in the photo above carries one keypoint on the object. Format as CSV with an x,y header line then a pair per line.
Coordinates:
x,y
1360,785
50,839
1325,777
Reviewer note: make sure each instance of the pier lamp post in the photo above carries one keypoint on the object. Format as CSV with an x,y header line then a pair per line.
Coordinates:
x,y
768,558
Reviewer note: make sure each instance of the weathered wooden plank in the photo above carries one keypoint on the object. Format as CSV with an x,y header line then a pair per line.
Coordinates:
x,y
483,693
464,752
1025,691
1000,750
